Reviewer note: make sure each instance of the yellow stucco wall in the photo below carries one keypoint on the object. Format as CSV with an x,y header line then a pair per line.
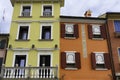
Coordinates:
x,y
34,34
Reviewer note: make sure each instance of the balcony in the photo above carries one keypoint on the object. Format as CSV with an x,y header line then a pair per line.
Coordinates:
x,y
117,34
26,13
31,73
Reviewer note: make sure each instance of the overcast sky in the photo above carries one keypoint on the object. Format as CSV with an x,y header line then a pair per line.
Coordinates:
x,y
71,8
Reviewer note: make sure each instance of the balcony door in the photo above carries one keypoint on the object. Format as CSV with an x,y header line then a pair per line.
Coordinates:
x,y
45,61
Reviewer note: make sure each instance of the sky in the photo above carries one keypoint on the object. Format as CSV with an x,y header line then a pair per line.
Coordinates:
x,y
71,8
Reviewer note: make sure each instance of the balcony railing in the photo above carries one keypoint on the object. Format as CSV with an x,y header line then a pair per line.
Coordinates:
x,y
29,72
26,13
46,13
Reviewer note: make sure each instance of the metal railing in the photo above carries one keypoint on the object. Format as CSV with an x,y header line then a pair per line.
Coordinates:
x,y
29,72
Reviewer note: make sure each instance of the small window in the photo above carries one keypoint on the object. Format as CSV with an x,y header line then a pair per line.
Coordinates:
x,y
3,44
100,61
46,32
47,10
70,60
96,31
23,32
69,31
119,52
26,10
117,25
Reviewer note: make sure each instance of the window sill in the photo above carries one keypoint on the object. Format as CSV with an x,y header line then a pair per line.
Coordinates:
x,y
45,39
46,16
97,38
70,37
22,40
25,16
71,68
104,69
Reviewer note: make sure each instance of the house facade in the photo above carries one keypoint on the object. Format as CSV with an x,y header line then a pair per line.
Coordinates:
x,y
3,48
84,49
33,48
113,27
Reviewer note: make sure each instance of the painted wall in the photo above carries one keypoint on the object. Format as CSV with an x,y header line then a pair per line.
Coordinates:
x,y
86,72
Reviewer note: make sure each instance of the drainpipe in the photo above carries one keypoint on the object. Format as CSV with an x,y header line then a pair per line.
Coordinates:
x,y
110,50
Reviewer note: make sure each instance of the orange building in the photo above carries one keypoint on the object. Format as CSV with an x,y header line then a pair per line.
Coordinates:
x,y
84,49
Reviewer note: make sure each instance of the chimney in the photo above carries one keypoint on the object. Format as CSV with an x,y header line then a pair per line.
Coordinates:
x,y
88,13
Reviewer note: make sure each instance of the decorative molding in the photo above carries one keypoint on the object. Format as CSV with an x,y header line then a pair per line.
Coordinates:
x,y
84,41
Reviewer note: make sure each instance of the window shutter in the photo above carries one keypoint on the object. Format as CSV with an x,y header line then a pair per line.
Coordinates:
x,y
107,60
77,60
63,60
62,30
2,44
93,61
76,31
90,33
103,32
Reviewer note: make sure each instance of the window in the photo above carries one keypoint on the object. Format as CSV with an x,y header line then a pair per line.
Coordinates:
x,y
46,32
26,10
96,31
69,31
70,60
3,43
47,10
23,32
100,61
20,60
117,28
119,52
117,25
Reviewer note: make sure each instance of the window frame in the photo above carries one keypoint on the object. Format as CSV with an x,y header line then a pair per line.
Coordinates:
x,y
47,5
118,51
114,26
21,25
20,53
45,53
22,9
41,26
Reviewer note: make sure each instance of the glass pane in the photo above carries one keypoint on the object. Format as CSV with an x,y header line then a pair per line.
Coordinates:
x,y
117,25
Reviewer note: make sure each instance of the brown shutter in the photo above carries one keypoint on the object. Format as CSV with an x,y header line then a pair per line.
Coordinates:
x,y
62,26
77,60
93,60
63,60
107,60
90,33
76,31
103,31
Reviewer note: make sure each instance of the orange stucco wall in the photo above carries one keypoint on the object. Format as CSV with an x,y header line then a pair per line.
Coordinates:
x,y
86,72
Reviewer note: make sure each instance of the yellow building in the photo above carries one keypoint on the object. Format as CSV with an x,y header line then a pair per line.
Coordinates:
x,y
34,40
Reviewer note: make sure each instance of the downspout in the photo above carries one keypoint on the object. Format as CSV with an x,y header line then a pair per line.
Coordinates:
x,y
110,49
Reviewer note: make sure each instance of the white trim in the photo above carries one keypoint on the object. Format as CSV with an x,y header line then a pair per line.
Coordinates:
x,y
47,5
19,30
26,5
20,53
46,24
45,53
